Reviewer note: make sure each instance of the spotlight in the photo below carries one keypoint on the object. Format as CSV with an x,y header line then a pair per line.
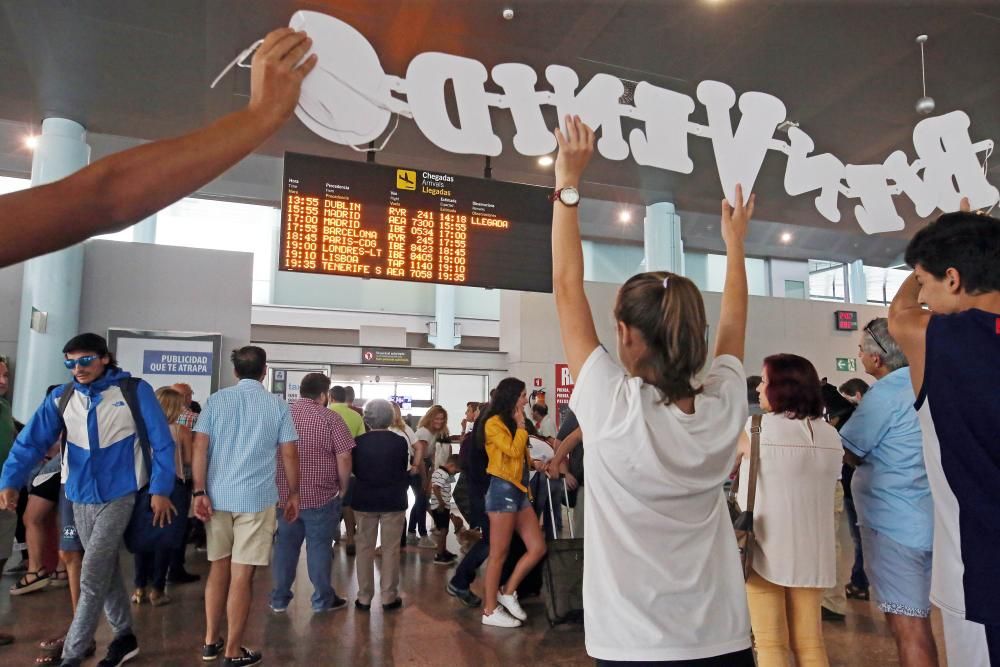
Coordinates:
x,y
624,216
545,161
786,237
31,142
508,14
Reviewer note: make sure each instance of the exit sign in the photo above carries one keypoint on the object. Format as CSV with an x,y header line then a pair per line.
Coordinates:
x,y
847,364
845,320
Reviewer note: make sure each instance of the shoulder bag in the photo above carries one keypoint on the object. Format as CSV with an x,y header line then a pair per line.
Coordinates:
x,y
743,520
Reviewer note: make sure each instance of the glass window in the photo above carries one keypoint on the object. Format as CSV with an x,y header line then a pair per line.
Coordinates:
x,y
795,289
708,272
221,225
827,280
882,284
10,184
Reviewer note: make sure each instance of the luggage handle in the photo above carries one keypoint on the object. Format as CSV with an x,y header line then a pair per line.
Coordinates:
x,y
552,507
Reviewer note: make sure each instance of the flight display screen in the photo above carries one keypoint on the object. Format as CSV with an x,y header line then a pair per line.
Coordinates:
x,y
346,218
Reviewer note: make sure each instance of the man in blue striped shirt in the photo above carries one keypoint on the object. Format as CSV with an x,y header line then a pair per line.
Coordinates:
x,y
237,437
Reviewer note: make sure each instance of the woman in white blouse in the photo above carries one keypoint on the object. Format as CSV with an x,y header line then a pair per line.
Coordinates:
x,y
794,558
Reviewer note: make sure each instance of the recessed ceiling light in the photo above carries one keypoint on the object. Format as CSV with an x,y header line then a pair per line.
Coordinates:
x,y
545,161
624,216
786,237
31,142
508,13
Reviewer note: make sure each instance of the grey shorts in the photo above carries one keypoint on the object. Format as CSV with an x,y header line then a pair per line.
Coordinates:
x,y
69,539
900,576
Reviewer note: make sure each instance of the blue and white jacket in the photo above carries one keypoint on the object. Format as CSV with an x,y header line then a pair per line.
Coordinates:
x,y
103,459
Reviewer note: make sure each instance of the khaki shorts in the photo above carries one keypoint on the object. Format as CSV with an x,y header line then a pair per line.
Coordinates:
x,y
245,537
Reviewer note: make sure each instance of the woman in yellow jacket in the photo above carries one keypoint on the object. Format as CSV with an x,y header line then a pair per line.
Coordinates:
x,y
507,503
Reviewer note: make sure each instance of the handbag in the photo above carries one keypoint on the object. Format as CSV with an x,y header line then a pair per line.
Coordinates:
x,y
743,519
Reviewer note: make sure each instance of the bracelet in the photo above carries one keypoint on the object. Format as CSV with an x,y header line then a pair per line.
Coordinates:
x,y
198,494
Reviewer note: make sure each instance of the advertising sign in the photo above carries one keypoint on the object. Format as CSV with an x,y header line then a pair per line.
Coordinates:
x,y
564,389
163,358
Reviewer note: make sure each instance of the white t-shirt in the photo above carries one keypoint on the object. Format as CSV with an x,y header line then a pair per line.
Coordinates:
x,y
662,579
539,450
411,438
547,427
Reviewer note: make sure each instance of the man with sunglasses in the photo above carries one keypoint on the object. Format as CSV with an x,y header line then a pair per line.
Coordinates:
x,y
102,470
946,317
882,439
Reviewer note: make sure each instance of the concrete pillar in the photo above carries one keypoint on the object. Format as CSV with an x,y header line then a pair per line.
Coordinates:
x,y
857,289
444,317
52,283
145,231
664,249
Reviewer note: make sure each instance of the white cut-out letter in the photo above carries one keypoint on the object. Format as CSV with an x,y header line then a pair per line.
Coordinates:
x,y
533,136
597,105
944,146
664,142
804,173
739,156
425,91
877,212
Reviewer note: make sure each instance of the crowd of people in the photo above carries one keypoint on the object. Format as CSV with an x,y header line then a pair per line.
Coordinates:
x,y
913,460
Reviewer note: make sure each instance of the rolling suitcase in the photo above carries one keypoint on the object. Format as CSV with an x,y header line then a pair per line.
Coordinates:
x,y
562,573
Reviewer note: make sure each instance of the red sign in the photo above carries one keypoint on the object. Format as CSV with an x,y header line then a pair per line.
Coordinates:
x,y
846,320
538,382
564,389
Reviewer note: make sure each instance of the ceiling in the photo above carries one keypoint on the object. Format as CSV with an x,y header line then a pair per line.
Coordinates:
x,y
848,72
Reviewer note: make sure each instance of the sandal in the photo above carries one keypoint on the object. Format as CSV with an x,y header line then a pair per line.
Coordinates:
x,y
59,579
158,598
139,596
854,593
23,586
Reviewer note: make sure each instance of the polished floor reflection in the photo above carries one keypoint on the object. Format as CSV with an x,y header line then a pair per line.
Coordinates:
x,y
431,629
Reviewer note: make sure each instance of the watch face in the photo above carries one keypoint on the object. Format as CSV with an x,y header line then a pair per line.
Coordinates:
x,y
569,196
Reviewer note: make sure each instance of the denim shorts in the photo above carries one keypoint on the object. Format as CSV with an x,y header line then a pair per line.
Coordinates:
x,y
502,496
900,576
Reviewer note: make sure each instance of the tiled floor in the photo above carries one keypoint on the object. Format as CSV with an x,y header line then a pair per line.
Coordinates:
x,y
432,628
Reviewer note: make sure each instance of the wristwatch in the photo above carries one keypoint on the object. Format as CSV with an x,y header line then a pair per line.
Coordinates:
x,y
196,494
567,196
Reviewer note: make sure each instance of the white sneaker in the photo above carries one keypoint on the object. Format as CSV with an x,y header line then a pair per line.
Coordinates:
x,y
511,604
501,619
427,542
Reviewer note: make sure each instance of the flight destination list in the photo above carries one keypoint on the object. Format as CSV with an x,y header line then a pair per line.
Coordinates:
x,y
347,218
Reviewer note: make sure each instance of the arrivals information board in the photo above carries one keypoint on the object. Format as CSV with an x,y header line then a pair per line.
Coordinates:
x,y
366,220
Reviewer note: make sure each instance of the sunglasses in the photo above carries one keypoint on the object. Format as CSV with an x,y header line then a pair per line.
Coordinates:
x,y
868,330
82,362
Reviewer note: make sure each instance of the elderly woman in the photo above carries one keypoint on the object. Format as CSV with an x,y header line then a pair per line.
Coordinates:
x,y
381,471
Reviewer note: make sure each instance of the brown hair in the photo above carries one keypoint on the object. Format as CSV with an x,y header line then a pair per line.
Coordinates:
x,y
667,309
428,419
172,402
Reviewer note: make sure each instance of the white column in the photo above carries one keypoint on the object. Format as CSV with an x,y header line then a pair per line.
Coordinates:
x,y
444,318
857,285
145,231
52,283
662,242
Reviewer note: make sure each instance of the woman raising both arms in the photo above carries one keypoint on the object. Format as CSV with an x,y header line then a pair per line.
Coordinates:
x,y
663,582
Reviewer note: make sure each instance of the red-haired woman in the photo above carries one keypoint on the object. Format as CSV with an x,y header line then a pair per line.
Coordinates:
x,y
794,559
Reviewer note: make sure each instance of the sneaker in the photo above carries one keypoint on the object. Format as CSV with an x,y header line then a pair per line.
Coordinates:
x,y
278,609
210,652
427,542
246,657
338,603
466,597
120,650
501,619
411,539
445,559
511,604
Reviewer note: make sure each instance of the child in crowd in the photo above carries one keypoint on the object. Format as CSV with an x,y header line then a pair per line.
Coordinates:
x,y
440,508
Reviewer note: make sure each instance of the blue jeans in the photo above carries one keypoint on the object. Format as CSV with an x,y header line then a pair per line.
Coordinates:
x,y
418,515
316,527
858,577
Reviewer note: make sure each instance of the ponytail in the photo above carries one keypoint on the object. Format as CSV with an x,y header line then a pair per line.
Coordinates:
x,y
667,309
